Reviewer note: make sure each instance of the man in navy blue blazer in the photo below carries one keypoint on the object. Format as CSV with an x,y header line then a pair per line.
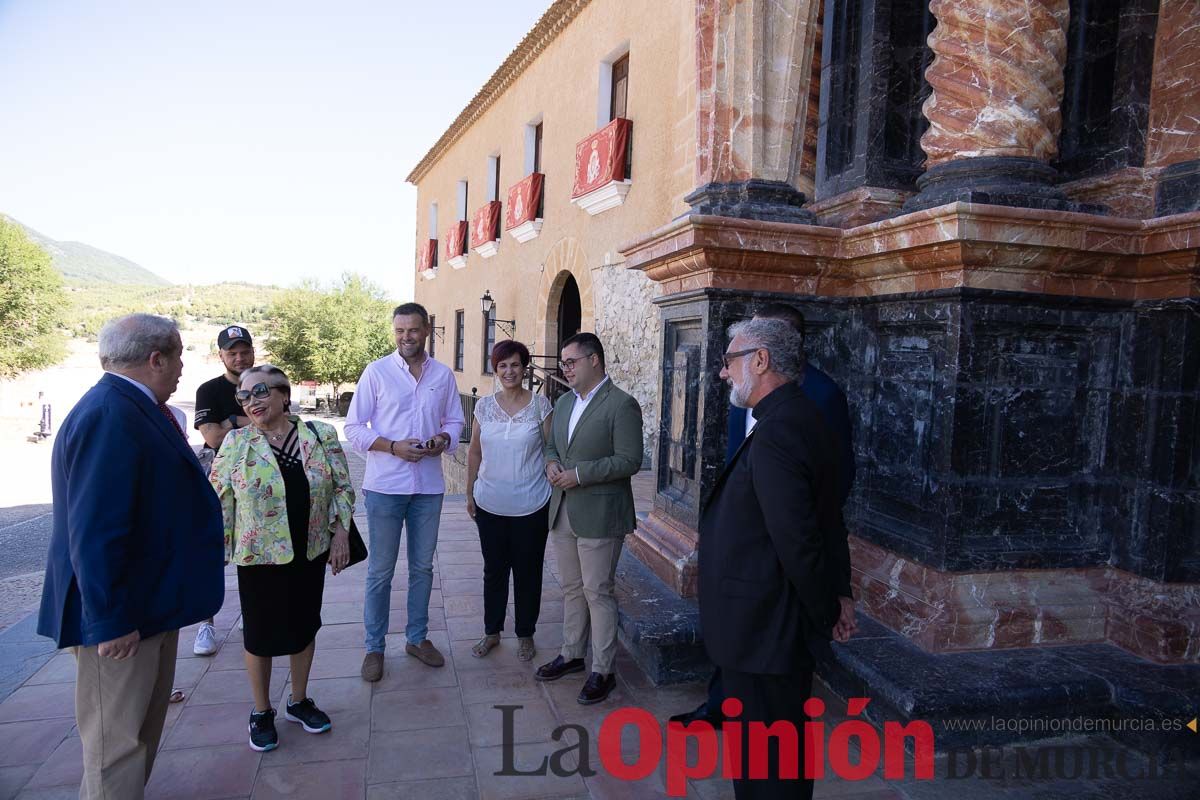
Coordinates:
x,y
136,554
831,402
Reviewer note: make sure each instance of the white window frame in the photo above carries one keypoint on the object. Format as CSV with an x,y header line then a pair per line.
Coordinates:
x,y
531,139
604,95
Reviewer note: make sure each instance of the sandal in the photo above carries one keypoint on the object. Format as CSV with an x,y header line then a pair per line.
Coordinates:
x,y
526,650
485,645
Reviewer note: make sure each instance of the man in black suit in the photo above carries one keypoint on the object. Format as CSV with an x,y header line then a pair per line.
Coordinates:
x,y
830,400
771,534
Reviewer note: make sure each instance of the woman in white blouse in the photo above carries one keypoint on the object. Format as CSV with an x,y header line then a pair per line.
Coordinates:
x,y
508,496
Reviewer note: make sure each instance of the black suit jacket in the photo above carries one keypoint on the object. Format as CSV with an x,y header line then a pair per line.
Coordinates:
x,y
770,533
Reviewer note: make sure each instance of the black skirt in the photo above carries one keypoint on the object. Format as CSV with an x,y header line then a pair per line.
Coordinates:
x,y
281,603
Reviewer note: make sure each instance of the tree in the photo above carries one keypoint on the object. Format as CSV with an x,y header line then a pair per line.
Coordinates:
x,y
31,300
329,336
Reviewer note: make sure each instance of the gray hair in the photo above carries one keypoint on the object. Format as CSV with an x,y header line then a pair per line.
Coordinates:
x,y
779,339
269,370
128,341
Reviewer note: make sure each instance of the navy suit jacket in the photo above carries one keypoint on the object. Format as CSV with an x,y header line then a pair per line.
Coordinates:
x,y
138,541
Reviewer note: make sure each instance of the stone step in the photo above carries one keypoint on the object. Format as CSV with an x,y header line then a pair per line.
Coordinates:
x,y
981,697
658,628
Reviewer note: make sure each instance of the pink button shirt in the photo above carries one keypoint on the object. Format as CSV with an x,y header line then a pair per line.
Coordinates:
x,y
390,403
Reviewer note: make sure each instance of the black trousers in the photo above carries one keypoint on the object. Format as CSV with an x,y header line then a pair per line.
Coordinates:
x,y
768,699
515,545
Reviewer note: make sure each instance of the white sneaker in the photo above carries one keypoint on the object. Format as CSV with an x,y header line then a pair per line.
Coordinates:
x,y
206,641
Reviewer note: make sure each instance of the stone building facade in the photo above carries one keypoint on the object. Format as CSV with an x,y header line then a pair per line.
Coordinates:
x,y
562,271
989,213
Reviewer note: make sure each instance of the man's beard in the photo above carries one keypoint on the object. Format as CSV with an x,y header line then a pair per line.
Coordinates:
x,y
740,395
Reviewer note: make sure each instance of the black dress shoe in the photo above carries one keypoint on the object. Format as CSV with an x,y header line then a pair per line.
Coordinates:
x,y
555,669
597,688
700,712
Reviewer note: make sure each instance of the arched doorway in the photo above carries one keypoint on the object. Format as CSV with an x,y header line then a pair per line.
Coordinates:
x,y
564,299
570,312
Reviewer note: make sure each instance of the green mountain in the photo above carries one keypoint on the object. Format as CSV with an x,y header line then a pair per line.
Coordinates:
x,y
81,263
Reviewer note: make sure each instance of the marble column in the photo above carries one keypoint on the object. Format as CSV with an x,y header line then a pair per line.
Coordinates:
x,y
754,61
994,111
868,154
1173,141
1106,103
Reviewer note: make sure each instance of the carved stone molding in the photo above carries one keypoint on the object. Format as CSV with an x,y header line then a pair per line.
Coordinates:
x,y
959,245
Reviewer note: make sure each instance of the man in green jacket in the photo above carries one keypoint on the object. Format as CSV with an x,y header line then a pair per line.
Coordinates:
x,y
595,448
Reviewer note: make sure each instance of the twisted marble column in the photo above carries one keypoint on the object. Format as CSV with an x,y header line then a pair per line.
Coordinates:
x,y
997,79
995,108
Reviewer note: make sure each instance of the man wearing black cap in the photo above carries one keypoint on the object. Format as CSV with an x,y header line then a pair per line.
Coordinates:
x,y
217,413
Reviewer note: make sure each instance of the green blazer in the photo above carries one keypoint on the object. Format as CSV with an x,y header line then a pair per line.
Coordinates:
x,y
607,452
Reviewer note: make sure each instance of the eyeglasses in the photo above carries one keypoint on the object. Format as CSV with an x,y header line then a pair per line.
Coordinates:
x,y
569,363
259,391
727,357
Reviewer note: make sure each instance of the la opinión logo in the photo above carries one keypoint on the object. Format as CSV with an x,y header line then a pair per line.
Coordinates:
x,y
725,755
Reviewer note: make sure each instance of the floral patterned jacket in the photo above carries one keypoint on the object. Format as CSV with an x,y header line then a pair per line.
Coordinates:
x,y
250,486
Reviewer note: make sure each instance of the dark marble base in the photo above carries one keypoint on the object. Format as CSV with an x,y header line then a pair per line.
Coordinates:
x,y
658,628
771,201
1178,189
1017,182
993,430
1052,689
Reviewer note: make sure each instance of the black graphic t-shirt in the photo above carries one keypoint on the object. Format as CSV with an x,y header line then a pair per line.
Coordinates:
x,y
215,401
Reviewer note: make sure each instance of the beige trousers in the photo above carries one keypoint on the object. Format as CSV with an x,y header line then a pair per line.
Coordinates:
x,y
587,568
120,707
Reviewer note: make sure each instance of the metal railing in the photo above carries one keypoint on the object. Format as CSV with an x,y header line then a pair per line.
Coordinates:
x,y
468,406
546,377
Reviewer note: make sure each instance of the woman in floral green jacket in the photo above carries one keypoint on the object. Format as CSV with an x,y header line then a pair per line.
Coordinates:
x,y
287,500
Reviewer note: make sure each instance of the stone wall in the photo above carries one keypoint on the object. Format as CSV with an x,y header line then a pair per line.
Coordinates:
x,y
630,328
454,470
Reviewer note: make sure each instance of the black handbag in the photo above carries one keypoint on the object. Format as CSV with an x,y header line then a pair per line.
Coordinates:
x,y
358,548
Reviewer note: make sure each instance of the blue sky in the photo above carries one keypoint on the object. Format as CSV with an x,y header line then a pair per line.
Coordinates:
x,y
265,141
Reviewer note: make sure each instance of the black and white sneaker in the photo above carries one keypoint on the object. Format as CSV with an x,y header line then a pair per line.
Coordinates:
x,y
311,718
262,731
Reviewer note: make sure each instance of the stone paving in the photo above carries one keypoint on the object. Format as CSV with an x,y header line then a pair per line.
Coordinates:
x,y
419,733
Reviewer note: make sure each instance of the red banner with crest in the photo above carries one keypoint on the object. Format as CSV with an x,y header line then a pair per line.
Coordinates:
x,y
456,239
485,225
600,158
428,256
523,200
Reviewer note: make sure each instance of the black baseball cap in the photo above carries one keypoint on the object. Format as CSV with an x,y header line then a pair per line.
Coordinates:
x,y
232,335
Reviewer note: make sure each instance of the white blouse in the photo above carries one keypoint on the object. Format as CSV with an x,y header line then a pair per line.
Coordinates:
x,y
512,475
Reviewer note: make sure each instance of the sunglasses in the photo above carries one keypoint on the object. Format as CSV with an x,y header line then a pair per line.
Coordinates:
x,y
728,358
259,391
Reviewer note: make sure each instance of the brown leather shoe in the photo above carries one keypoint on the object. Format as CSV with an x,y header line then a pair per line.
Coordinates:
x,y
426,653
597,688
372,667
553,670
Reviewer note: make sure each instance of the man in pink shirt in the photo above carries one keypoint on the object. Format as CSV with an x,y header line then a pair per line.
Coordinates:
x,y
405,413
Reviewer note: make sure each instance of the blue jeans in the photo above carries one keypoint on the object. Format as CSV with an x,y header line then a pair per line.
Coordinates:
x,y
387,516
